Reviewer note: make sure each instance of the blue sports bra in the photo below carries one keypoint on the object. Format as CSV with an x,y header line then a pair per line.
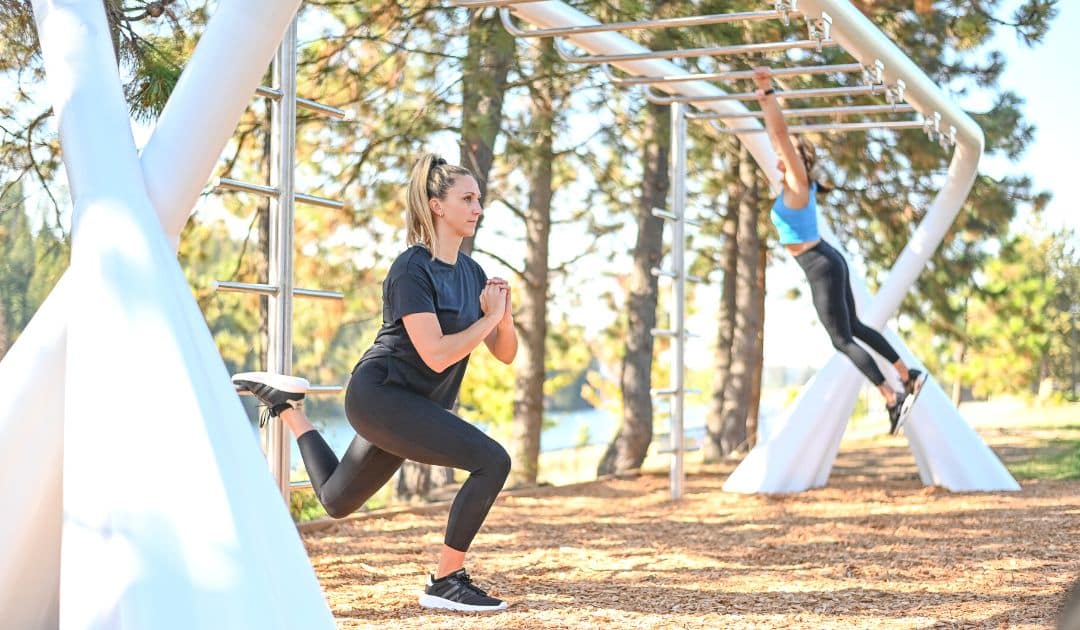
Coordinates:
x,y
796,225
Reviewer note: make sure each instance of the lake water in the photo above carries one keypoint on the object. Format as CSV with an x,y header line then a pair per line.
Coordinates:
x,y
563,430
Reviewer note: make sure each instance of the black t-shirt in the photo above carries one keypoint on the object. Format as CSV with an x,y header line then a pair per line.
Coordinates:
x,y
419,283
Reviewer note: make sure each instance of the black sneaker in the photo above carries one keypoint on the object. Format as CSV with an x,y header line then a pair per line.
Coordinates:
x,y
457,592
276,391
896,412
914,384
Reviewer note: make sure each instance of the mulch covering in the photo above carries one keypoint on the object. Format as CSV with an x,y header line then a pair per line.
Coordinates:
x,y
874,549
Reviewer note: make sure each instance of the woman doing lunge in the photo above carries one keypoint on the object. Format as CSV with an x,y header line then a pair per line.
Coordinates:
x,y
438,306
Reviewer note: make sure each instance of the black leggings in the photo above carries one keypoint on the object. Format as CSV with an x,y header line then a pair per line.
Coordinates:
x,y
827,272
395,424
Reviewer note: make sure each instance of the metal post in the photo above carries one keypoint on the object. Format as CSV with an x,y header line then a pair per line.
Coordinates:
x,y
282,171
678,254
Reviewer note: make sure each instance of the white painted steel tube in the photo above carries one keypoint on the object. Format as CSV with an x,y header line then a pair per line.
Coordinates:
x,y
963,464
553,13
34,367
712,51
734,75
678,22
813,112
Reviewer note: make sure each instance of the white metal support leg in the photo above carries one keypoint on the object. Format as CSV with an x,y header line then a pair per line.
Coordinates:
x,y
71,33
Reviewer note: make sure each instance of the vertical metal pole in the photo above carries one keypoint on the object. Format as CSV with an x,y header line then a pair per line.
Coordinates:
x,y
282,171
678,255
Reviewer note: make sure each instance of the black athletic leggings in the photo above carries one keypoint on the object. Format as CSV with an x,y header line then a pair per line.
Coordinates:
x,y
830,287
395,424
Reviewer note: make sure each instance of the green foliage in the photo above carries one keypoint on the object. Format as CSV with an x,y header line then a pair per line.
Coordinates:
x,y
1058,459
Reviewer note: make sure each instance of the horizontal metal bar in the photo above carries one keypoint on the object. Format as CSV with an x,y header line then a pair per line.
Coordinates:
x,y
671,391
837,127
809,112
714,51
324,202
686,449
855,90
300,485
678,22
244,287
306,103
733,75
481,4
224,183
269,289
664,214
665,273
662,332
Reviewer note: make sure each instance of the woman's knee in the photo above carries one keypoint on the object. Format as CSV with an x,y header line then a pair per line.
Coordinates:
x,y
496,462
337,508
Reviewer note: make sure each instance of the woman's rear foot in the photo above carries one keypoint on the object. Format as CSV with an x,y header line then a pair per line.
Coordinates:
x,y
277,392
897,414
456,591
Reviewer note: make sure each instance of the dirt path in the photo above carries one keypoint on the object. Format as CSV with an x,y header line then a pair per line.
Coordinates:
x,y
874,549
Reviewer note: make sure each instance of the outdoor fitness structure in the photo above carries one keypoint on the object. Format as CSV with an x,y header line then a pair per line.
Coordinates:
x,y
199,537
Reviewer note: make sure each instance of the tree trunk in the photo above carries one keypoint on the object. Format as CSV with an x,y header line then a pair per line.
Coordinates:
x,y
759,348
713,450
958,382
628,449
740,380
532,311
484,71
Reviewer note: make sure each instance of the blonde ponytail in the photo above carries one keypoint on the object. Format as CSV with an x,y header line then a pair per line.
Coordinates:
x,y
430,178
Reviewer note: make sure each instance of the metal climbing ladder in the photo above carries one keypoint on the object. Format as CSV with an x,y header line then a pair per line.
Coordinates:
x,y
281,192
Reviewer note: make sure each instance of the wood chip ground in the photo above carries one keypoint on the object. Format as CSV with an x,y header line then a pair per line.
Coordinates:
x,y
873,549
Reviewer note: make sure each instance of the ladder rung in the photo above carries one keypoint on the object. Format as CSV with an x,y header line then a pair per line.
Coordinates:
x,y
854,90
668,216
695,20
735,75
312,200
306,103
811,112
269,289
664,273
662,332
482,4
224,183
663,391
670,451
712,51
857,126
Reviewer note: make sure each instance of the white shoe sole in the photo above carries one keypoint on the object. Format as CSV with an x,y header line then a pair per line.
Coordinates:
x,y
431,601
907,406
919,382
280,382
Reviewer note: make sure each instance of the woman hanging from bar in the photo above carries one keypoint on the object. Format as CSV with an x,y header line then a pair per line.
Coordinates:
x,y
795,215
438,306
